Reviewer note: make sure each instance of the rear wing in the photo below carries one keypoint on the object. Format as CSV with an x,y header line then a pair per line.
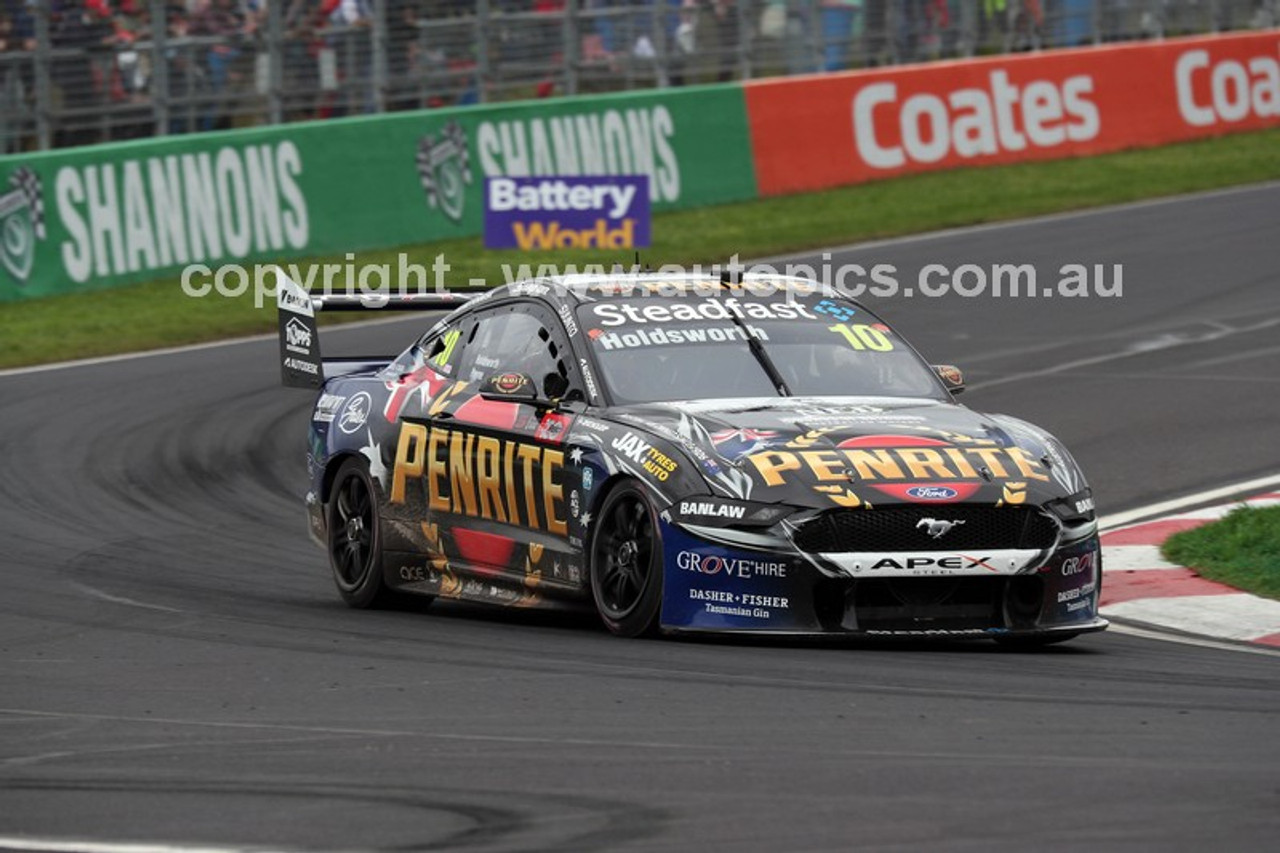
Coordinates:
x,y
301,365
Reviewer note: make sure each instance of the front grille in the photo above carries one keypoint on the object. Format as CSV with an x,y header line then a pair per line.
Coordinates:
x,y
902,528
929,604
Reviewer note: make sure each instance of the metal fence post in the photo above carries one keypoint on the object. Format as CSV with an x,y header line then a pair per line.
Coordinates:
x,y
658,38
44,90
482,49
275,64
160,67
569,33
745,32
379,36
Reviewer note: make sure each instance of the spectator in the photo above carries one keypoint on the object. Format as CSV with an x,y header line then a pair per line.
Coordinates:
x,y
225,21
83,73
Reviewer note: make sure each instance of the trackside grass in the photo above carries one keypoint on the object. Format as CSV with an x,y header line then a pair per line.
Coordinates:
x,y
1241,550
159,314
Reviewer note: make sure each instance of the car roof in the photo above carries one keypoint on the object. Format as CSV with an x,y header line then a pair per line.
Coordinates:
x,y
585,287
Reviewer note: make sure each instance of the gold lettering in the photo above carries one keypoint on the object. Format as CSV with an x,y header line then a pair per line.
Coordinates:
x,y
991,457
437,471
962,465
489,466
826,464
552,460
408,458
509,471
1029,467
873,464
529,457
925,464
462,474
771,464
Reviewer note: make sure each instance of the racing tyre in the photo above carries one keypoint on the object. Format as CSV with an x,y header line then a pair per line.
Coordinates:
x,y
626,563
355,539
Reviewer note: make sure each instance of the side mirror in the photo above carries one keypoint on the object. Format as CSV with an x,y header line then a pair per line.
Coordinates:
x,y
950,376
513,387
509,387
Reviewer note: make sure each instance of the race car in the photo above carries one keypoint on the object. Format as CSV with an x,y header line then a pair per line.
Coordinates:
x,y
687,454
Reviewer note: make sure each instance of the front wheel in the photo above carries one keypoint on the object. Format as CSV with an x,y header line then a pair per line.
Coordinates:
x,y
355,539
626,563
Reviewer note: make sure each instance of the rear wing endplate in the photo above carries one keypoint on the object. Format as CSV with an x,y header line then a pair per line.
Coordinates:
x,y
301,365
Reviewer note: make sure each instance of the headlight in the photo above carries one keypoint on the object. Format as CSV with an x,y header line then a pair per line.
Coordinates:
x,y
1073,509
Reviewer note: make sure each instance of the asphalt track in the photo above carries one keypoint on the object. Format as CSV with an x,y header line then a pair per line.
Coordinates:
x,y
175,667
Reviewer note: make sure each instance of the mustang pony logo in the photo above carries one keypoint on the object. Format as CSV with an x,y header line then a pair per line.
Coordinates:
x,y
21,223
936,527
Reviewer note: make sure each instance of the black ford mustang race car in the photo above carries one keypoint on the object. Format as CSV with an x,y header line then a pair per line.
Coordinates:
x,y
688,454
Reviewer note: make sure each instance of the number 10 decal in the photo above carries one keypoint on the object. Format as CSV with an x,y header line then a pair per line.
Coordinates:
x,y
860,336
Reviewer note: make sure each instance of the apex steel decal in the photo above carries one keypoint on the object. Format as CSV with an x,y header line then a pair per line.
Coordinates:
x,y
500,480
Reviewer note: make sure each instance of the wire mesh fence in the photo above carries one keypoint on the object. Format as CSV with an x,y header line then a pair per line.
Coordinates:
x,y
75,72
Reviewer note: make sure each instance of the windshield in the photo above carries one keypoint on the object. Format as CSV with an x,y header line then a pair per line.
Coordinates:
x,y
660,349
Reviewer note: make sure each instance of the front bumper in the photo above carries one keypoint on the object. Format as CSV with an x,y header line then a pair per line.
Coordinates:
x,y
713,586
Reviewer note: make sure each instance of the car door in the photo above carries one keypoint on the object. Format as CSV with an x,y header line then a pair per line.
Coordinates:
x,y
496,468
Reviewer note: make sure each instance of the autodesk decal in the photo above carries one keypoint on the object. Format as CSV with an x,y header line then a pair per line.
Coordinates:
x,y
444,167
21,223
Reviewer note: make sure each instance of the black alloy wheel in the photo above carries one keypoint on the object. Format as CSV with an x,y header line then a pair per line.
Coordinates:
x,y
355,540
626,563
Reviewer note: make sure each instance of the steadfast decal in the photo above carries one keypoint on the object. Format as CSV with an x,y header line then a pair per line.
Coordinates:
x,y
509,482
618,314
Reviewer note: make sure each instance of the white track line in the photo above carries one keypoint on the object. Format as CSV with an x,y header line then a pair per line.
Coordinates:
x,y
52,845
1170,506
774,259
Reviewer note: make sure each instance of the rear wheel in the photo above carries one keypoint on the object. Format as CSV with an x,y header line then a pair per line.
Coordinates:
x,y
355,539
626,563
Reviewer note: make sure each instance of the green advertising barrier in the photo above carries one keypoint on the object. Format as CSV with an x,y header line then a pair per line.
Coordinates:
x,y
103,216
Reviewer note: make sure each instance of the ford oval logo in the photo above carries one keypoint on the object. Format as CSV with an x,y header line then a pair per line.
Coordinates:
x,y
931,493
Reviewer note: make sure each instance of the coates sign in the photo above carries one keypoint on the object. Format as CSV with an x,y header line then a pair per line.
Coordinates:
x,y
604,212
864,125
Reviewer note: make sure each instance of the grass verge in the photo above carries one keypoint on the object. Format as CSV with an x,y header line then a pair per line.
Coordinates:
x,y
1241,550
158,314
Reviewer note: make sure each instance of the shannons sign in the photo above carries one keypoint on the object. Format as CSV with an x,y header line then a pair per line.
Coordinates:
x,y
99,216
567,213
155,212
